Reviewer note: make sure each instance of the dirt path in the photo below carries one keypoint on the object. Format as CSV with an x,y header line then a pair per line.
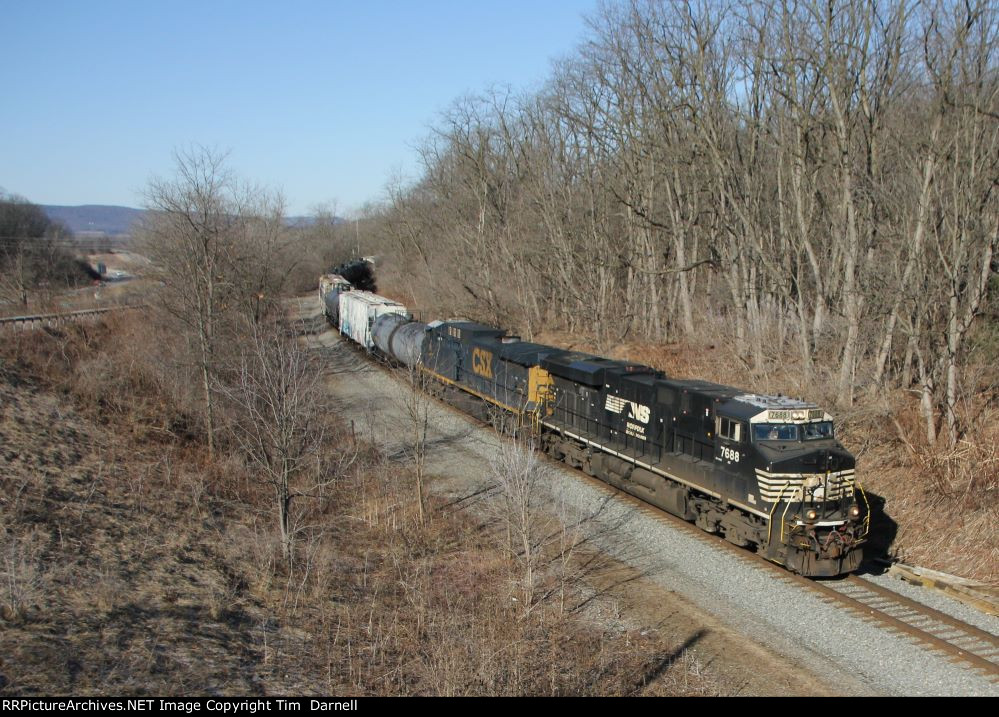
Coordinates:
x,y
626,592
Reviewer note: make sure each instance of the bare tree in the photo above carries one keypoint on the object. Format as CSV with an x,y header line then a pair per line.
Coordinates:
x,y
35,252
521,475
198,237
282,422
266,257
328,232
801,178
416,405
568,537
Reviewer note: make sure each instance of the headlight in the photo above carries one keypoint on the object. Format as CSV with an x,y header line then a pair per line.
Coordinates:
x,y
855,511
811,516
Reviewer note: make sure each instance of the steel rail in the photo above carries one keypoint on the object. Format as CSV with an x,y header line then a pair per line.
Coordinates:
x,y
907,628
988,665
919,610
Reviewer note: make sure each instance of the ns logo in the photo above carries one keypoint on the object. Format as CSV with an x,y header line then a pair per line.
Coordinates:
x,y
482,363
636,411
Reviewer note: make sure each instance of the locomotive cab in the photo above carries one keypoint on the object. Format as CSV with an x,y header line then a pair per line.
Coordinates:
x,y
805,481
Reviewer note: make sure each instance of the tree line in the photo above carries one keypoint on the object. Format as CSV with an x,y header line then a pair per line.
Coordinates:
x,y
35,253
813,182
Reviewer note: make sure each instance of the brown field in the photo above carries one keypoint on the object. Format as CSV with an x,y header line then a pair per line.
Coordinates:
x,y
133,564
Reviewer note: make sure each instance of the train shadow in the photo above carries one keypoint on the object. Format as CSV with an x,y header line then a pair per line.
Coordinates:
x,y
883,531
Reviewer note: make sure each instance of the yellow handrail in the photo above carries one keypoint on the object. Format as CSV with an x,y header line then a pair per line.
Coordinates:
x,y
770,527
867,518
783,521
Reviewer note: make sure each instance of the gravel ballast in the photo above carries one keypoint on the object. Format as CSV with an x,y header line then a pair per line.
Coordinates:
x,y
855,655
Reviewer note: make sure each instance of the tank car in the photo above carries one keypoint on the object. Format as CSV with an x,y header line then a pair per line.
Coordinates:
x,y
397,336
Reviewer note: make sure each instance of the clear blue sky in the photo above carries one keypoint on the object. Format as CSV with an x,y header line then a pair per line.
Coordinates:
x,y
322,100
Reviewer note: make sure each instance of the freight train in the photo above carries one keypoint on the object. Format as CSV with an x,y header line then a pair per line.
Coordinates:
x,y
765,472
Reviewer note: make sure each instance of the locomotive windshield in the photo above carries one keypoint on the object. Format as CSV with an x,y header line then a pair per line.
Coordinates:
x,y
792,432
775,432
814,431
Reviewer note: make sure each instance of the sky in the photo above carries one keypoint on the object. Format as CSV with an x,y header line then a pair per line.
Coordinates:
x,y
324,101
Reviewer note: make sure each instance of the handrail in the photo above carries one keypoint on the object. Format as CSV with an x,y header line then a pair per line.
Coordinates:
x,y
770,522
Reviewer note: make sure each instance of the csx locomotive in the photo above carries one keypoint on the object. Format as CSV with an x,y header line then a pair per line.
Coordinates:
x,y
765,472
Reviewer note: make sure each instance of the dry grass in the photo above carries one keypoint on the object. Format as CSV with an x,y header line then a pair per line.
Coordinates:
x,y
946,503
107,598
433,611
132,564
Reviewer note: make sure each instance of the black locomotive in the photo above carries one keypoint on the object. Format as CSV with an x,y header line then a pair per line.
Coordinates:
x,y
765,472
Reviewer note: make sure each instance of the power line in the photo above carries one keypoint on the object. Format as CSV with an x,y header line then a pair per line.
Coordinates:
x,y
60,241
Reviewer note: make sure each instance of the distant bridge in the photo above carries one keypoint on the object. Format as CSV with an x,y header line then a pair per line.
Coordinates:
x,y
35,321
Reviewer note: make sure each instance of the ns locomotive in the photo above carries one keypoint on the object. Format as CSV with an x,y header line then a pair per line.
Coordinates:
x,y
765,472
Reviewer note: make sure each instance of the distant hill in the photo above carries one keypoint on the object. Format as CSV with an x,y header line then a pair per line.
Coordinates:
x,y
95,218
118,221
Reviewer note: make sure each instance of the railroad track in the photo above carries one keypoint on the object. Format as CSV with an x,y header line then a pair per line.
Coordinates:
x,y
935,630
33,321
938,630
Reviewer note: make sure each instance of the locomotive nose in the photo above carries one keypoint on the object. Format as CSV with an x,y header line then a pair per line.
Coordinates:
x,y
823,460
837,460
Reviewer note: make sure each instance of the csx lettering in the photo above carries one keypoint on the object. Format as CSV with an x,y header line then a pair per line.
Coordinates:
x,y
482,363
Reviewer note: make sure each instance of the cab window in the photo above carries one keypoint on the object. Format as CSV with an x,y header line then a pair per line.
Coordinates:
x,y
775,432
815,431
727,428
